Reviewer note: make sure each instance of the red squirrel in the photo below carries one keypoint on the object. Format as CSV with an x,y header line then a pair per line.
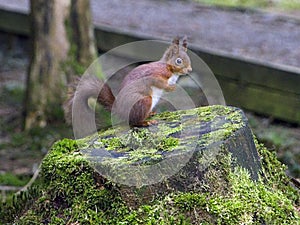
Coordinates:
x,y
140,90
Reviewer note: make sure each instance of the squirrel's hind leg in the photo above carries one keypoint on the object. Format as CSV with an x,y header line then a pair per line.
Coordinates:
x,y
140,111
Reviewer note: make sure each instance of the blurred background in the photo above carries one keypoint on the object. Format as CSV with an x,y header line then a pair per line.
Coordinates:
x,y
252,47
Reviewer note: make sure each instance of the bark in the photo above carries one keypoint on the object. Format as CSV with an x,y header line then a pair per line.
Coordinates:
x,y
62,46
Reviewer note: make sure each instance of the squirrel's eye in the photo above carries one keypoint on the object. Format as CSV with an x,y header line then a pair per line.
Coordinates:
x,y
178,61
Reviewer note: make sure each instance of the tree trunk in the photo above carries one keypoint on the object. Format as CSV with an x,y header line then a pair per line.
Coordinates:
x,y
62,46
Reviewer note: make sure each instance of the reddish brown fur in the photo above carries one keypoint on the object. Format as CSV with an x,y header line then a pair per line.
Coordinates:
x,y
136,90
134,100
106,97
149,72
140,111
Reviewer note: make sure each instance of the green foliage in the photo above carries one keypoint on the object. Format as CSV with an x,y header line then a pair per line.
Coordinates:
x,y
33,140
13,180
12,94
245,3
286,4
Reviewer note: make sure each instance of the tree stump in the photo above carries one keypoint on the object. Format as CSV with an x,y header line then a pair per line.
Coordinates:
x,y
191,150
198,166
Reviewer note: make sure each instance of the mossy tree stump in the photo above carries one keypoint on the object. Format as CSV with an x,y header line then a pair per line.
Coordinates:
x,y
190,150
212,175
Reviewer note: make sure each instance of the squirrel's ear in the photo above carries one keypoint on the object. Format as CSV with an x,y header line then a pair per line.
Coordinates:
x,y
184,43
174,48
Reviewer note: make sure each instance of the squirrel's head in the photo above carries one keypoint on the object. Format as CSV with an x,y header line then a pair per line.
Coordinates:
x,y
176,56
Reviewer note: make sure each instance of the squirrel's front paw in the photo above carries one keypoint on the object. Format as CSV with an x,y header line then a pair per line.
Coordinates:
x,y
171,88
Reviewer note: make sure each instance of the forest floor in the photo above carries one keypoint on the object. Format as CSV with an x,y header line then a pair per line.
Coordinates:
x,y
21,152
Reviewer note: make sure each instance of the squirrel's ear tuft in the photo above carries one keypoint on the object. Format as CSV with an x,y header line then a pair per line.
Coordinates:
x,y
176,41
184,43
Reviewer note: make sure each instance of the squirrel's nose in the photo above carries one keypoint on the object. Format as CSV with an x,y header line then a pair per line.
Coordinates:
x,y
189,69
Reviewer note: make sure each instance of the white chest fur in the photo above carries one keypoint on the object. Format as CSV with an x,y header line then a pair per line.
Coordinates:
x,y
157,92
173,79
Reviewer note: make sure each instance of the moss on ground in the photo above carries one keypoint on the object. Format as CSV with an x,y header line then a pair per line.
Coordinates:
x,y
69,191
283,4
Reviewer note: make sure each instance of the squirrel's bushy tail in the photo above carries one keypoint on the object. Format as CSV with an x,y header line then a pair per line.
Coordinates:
x,y
81,90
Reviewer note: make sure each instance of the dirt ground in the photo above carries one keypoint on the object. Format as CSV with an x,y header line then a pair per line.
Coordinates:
x,y
265,36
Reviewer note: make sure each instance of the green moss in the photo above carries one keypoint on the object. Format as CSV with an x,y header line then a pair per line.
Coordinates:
x,y
283,4
176,132
215,180
168,143
18,203
112,143
170,116
275,173
227,125
69,191
247,202
137,143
